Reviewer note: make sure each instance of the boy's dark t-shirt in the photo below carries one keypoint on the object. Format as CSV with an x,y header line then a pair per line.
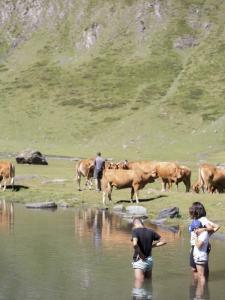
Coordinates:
x,y
145,237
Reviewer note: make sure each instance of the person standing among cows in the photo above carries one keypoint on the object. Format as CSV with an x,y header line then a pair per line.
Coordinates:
x,y
99,165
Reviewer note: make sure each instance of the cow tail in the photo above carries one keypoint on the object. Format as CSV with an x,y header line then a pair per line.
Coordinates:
x,y
201,179
77,173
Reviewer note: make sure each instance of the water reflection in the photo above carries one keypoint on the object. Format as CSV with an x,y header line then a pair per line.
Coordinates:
x,y
143,293
197,291
103,226
6,216
107,228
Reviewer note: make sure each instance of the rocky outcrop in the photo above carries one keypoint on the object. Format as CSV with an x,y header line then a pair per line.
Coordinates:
x,y
31,157
19,18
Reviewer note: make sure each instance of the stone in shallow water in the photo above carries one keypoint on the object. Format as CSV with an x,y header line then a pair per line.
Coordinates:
x,y
136,210
118,207
169,213
41,205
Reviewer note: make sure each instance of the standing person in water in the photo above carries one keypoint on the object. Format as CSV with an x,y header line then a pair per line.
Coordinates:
x,y
99,165
144,239
197,212
200,255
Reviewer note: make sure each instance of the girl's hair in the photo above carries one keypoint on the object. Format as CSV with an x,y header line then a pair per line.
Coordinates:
x,y
197,210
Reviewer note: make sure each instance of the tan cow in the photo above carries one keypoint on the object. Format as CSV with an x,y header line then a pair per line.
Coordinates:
x,y
211,178
120,179
7,174
185,178
85,168
217,183
168,172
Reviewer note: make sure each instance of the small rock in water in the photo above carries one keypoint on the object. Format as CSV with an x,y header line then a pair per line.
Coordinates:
x,y
41,205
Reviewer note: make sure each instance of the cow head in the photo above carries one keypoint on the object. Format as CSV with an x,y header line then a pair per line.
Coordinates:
x,y
123,165
196,187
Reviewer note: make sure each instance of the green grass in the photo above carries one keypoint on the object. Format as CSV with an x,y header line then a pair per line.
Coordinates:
x,y
38,184
132,95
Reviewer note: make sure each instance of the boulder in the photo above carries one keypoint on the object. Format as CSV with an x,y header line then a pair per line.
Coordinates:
x,y
169,213
136,211
31,157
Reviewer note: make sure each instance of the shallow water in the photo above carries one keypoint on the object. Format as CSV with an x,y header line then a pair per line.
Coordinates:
x,y
86,254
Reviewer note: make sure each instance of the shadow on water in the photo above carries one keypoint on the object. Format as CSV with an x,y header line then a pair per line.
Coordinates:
x,y
142,200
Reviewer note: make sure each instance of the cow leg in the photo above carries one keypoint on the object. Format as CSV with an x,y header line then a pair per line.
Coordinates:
x,y
89,183
4,185
78,181
107,189
103,197
134,190
169,185
163,186
110,192
132,195
136,196
12,183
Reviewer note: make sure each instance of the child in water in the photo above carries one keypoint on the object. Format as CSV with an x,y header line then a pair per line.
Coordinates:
x,y
198,213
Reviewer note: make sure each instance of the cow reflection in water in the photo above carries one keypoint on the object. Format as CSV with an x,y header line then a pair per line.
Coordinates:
x,y
109,229
6,216
105,228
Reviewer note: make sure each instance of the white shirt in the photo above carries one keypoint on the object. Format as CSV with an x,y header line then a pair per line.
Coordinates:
x,y
204,222
200,254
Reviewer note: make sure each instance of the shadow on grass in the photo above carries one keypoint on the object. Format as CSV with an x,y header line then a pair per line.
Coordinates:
x,y
17,187
142,200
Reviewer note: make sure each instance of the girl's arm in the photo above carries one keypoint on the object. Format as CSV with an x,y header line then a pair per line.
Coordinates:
x,y
198,243
210,227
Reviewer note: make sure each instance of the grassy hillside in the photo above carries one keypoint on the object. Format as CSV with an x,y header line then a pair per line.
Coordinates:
x,y
135,79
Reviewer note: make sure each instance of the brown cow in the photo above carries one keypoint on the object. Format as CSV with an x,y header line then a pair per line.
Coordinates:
x,y
134,179
85,168
168,172
7,173
185,178
210,178
196,186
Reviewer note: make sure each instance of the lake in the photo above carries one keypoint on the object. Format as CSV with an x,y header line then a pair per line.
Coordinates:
x,y
85,253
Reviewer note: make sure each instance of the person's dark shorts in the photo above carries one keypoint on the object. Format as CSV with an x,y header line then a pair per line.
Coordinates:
x,y
98,174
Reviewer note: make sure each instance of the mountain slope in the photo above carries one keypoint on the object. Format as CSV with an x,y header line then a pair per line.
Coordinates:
x,y
133,78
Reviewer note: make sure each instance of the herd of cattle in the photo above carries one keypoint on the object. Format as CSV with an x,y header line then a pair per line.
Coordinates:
x,y
136,174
